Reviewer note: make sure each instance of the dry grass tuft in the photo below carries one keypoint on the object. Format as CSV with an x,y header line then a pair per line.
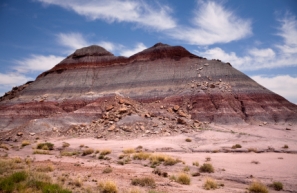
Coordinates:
x,y
236,146
105,152
207,168
107,170
65,144
129,151
25,143
108,186
145,181
156,159
45,168
183,178
69,153
196,164
277,186
45,146
210,184
258,187
87,151
141,156
44,152
285,147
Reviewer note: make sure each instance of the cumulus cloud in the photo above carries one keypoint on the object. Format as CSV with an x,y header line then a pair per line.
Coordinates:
x,y
72,40
9,80
37,63
280,55
139,12
129,52
213,23
283,85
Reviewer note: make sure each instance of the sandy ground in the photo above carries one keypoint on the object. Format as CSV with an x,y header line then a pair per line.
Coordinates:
x,y
261,158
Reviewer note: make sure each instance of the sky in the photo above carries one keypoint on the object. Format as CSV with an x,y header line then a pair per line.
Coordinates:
x,y
257,37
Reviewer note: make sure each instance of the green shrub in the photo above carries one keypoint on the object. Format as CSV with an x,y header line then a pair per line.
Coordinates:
x,y
277,186
207,168
9,183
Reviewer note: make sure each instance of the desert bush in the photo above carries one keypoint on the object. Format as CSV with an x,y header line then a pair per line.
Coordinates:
x,y
69,153
145,181
65,144
25,143
207,159
186,169
141,156
129,151
107,170
188,140
87,151
108,187
207,168
105,152
183,178
160,173
277,186
45,146
285,146
196,163
44,152
45,168
156,159
258,187
236,146
77,182
210,184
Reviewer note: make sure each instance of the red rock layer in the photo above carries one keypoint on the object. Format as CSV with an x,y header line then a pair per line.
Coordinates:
x,y
209,90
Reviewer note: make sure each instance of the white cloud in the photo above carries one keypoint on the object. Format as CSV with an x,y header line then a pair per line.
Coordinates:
x,y
213,23
283,85
138,48
138,12
37,63
72,41
279,55
9,80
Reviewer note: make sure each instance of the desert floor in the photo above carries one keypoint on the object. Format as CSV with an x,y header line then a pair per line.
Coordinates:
x,y
268,153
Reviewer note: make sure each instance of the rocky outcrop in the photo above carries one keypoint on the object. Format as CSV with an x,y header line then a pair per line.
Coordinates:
x,y
74,91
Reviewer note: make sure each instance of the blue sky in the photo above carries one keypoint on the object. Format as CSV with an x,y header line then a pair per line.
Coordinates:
x,y
258,38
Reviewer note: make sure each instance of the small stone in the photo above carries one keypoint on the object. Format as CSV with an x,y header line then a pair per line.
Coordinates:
x,y
32,134
99,136
147,115
109,107
181,121
206,64
111,128
264,123
147,131
123,110
199,75
176,107
20,134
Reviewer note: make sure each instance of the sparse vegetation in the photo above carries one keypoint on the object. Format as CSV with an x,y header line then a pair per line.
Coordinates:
x,y
129,151
253,150
105,152
69,153
196,164
277,186
207,159
236,146
4,146
65,144
45,146
141,156
45,168
25,143
258,187
210,184
107,170
145,181
44,152
183,178
207,168
108,186
285,147
87,151
186,169
156,159
188,140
